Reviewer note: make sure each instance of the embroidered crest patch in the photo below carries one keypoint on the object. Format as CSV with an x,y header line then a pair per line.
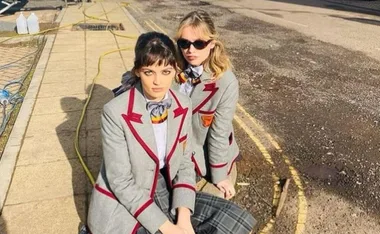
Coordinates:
x,y
207,120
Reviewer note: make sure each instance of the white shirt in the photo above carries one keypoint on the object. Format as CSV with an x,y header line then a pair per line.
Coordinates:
x,y
186,87
160,134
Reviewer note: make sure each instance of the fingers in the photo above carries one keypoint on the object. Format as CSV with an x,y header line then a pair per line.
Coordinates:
x,y
228,191
222,189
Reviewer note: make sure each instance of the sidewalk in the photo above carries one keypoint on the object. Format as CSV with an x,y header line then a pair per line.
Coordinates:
x,y
49,190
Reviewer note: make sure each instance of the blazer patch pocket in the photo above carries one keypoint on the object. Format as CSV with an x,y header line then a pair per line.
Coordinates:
x,y
207,119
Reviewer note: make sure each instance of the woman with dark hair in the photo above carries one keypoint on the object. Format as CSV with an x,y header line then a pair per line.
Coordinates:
x,y
146,182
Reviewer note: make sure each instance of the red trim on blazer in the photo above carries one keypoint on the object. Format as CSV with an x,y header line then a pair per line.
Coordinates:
x,y
105,192
188,186
211,87
134,117
218,165
180,140
196,165
134,230
177,112
207,112
142,208
232,163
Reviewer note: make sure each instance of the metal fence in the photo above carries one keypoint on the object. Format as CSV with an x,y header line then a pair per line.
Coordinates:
x,y
18,57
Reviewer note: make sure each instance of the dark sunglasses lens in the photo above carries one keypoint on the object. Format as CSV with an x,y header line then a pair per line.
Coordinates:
x,y
199,44
184,44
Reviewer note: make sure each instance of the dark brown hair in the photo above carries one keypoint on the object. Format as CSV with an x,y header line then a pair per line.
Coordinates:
x,y
151,48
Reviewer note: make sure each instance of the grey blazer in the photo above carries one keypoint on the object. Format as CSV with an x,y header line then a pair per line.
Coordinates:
x,y
214,145
122,198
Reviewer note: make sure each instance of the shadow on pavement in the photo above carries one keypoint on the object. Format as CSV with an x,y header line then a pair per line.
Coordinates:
x,y
359,20
89,144
3,226
364,7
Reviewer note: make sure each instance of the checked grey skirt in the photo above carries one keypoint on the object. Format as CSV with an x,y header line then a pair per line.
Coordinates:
x,y
212,215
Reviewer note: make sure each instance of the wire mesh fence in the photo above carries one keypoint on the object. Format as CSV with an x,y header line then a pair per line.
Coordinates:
x,y
17,59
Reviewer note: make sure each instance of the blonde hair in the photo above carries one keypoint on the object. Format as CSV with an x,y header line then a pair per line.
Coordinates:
x,y
218,61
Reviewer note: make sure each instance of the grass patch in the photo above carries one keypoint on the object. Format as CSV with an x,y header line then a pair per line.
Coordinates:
x,y
34,42
43,26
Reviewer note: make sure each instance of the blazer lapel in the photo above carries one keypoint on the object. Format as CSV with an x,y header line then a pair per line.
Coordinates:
x,y
176,118
203,92
138,121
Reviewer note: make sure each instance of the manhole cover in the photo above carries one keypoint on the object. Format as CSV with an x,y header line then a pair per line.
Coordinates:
x,y
98,27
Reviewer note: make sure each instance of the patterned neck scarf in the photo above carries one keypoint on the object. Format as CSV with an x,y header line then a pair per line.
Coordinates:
x,y
191,75
159,110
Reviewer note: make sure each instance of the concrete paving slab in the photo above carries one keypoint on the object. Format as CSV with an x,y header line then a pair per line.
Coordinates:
x,y
57,57
94,164
68,76
51,148
102,95
46,181
105,63
93,57
94,142
72,41
99,45
52,105
128,55
106,72
104,35
93,118
61,215
53,123
3,227
109,59
106,83
74,35
59,90
64,65
93,48
67,48
126,42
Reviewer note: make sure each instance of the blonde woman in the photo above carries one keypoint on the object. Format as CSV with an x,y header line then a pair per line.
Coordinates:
x,y
213,88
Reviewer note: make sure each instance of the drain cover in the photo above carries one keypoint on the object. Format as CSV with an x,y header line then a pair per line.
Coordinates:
x,y
98,27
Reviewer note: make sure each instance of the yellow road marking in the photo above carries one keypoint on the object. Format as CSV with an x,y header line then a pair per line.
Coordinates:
x,y
268,158
302,203
134,9
268,227
150,26
159,28
139,10
256,140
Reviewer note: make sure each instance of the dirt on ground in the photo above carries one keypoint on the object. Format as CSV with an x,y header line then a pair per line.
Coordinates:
x,y
318,100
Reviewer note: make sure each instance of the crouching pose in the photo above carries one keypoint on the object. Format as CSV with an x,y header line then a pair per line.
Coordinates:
x,y
146,183
208,80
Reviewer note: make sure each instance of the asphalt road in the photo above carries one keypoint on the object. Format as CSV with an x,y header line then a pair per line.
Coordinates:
x,y
315,91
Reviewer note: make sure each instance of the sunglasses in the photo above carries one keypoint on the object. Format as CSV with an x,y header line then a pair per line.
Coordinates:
x,y
198,44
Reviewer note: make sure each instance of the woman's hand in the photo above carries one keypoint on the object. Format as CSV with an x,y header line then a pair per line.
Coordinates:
x,y
226,187
170,228
184,220
187,227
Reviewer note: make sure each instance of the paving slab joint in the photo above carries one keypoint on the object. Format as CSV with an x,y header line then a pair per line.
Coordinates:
x,y
15,140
